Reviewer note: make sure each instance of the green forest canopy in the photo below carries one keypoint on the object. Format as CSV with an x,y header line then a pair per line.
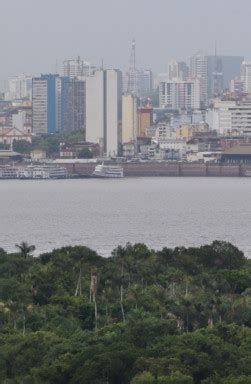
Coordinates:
x,y
176,316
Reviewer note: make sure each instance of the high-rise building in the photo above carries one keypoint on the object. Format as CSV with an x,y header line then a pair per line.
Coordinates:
x,y
74,105
104,109
177,70
230,117
173,70
145,119
199,70
46,104
145,82
221,70
182,95
76,68
129,118
246,76
19,87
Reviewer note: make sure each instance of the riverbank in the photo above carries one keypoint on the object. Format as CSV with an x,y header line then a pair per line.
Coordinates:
x,y
165,169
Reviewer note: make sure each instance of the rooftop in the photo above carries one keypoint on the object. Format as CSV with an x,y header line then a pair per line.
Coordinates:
x,y
242,149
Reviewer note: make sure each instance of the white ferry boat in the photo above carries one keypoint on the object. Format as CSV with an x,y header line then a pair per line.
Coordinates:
x,y
33,172
108,171
49,172
8,172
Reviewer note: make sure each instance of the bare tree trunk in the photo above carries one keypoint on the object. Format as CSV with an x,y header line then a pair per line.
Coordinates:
x,y
121,303
79,283
96,314
122,292
24,323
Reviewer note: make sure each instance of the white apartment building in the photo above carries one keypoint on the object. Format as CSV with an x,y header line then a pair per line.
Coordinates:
x,y
76,68
230,118
173,70
199,70
163,130
129,118
104,109
19,87
39,106
246,76
178,94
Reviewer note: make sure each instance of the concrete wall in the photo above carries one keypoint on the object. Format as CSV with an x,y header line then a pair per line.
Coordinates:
x,y
167,169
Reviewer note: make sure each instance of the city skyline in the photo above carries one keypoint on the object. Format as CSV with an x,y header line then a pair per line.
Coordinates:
x,y
34,44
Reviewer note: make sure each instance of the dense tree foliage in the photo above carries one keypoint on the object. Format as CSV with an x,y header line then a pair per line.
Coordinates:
x,y
51,143
175,316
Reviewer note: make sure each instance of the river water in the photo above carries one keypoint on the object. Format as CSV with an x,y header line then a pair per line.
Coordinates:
x,y
105,213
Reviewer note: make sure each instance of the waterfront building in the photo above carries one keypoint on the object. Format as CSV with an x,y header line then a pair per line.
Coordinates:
x,y
238,154
179,94
129,118
104,109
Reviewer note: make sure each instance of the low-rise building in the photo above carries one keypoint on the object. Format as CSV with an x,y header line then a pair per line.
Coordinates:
x,y
9,135
38,155
240,154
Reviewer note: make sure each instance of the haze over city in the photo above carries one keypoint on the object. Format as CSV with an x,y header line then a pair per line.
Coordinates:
x,y
35,35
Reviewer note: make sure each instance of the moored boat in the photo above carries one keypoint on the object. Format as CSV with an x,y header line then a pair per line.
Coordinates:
x,y
108,171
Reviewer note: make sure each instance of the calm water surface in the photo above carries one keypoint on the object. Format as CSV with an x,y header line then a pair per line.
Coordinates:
x,y
105,213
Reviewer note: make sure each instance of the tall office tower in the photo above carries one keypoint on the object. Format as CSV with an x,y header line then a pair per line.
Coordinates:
x,y
74,105
19,87
104,109
182,95
129,118
177,70
199,70
246,75
183,70
221,70
173,70
46,104
76,68
145,82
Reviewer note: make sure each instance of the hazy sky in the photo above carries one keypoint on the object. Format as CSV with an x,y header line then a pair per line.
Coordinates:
x,y
34,34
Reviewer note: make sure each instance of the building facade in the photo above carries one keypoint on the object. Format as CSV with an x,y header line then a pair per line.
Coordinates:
x,y
75,68
19,87
129,118
178,94
74,105
104,109
230,118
